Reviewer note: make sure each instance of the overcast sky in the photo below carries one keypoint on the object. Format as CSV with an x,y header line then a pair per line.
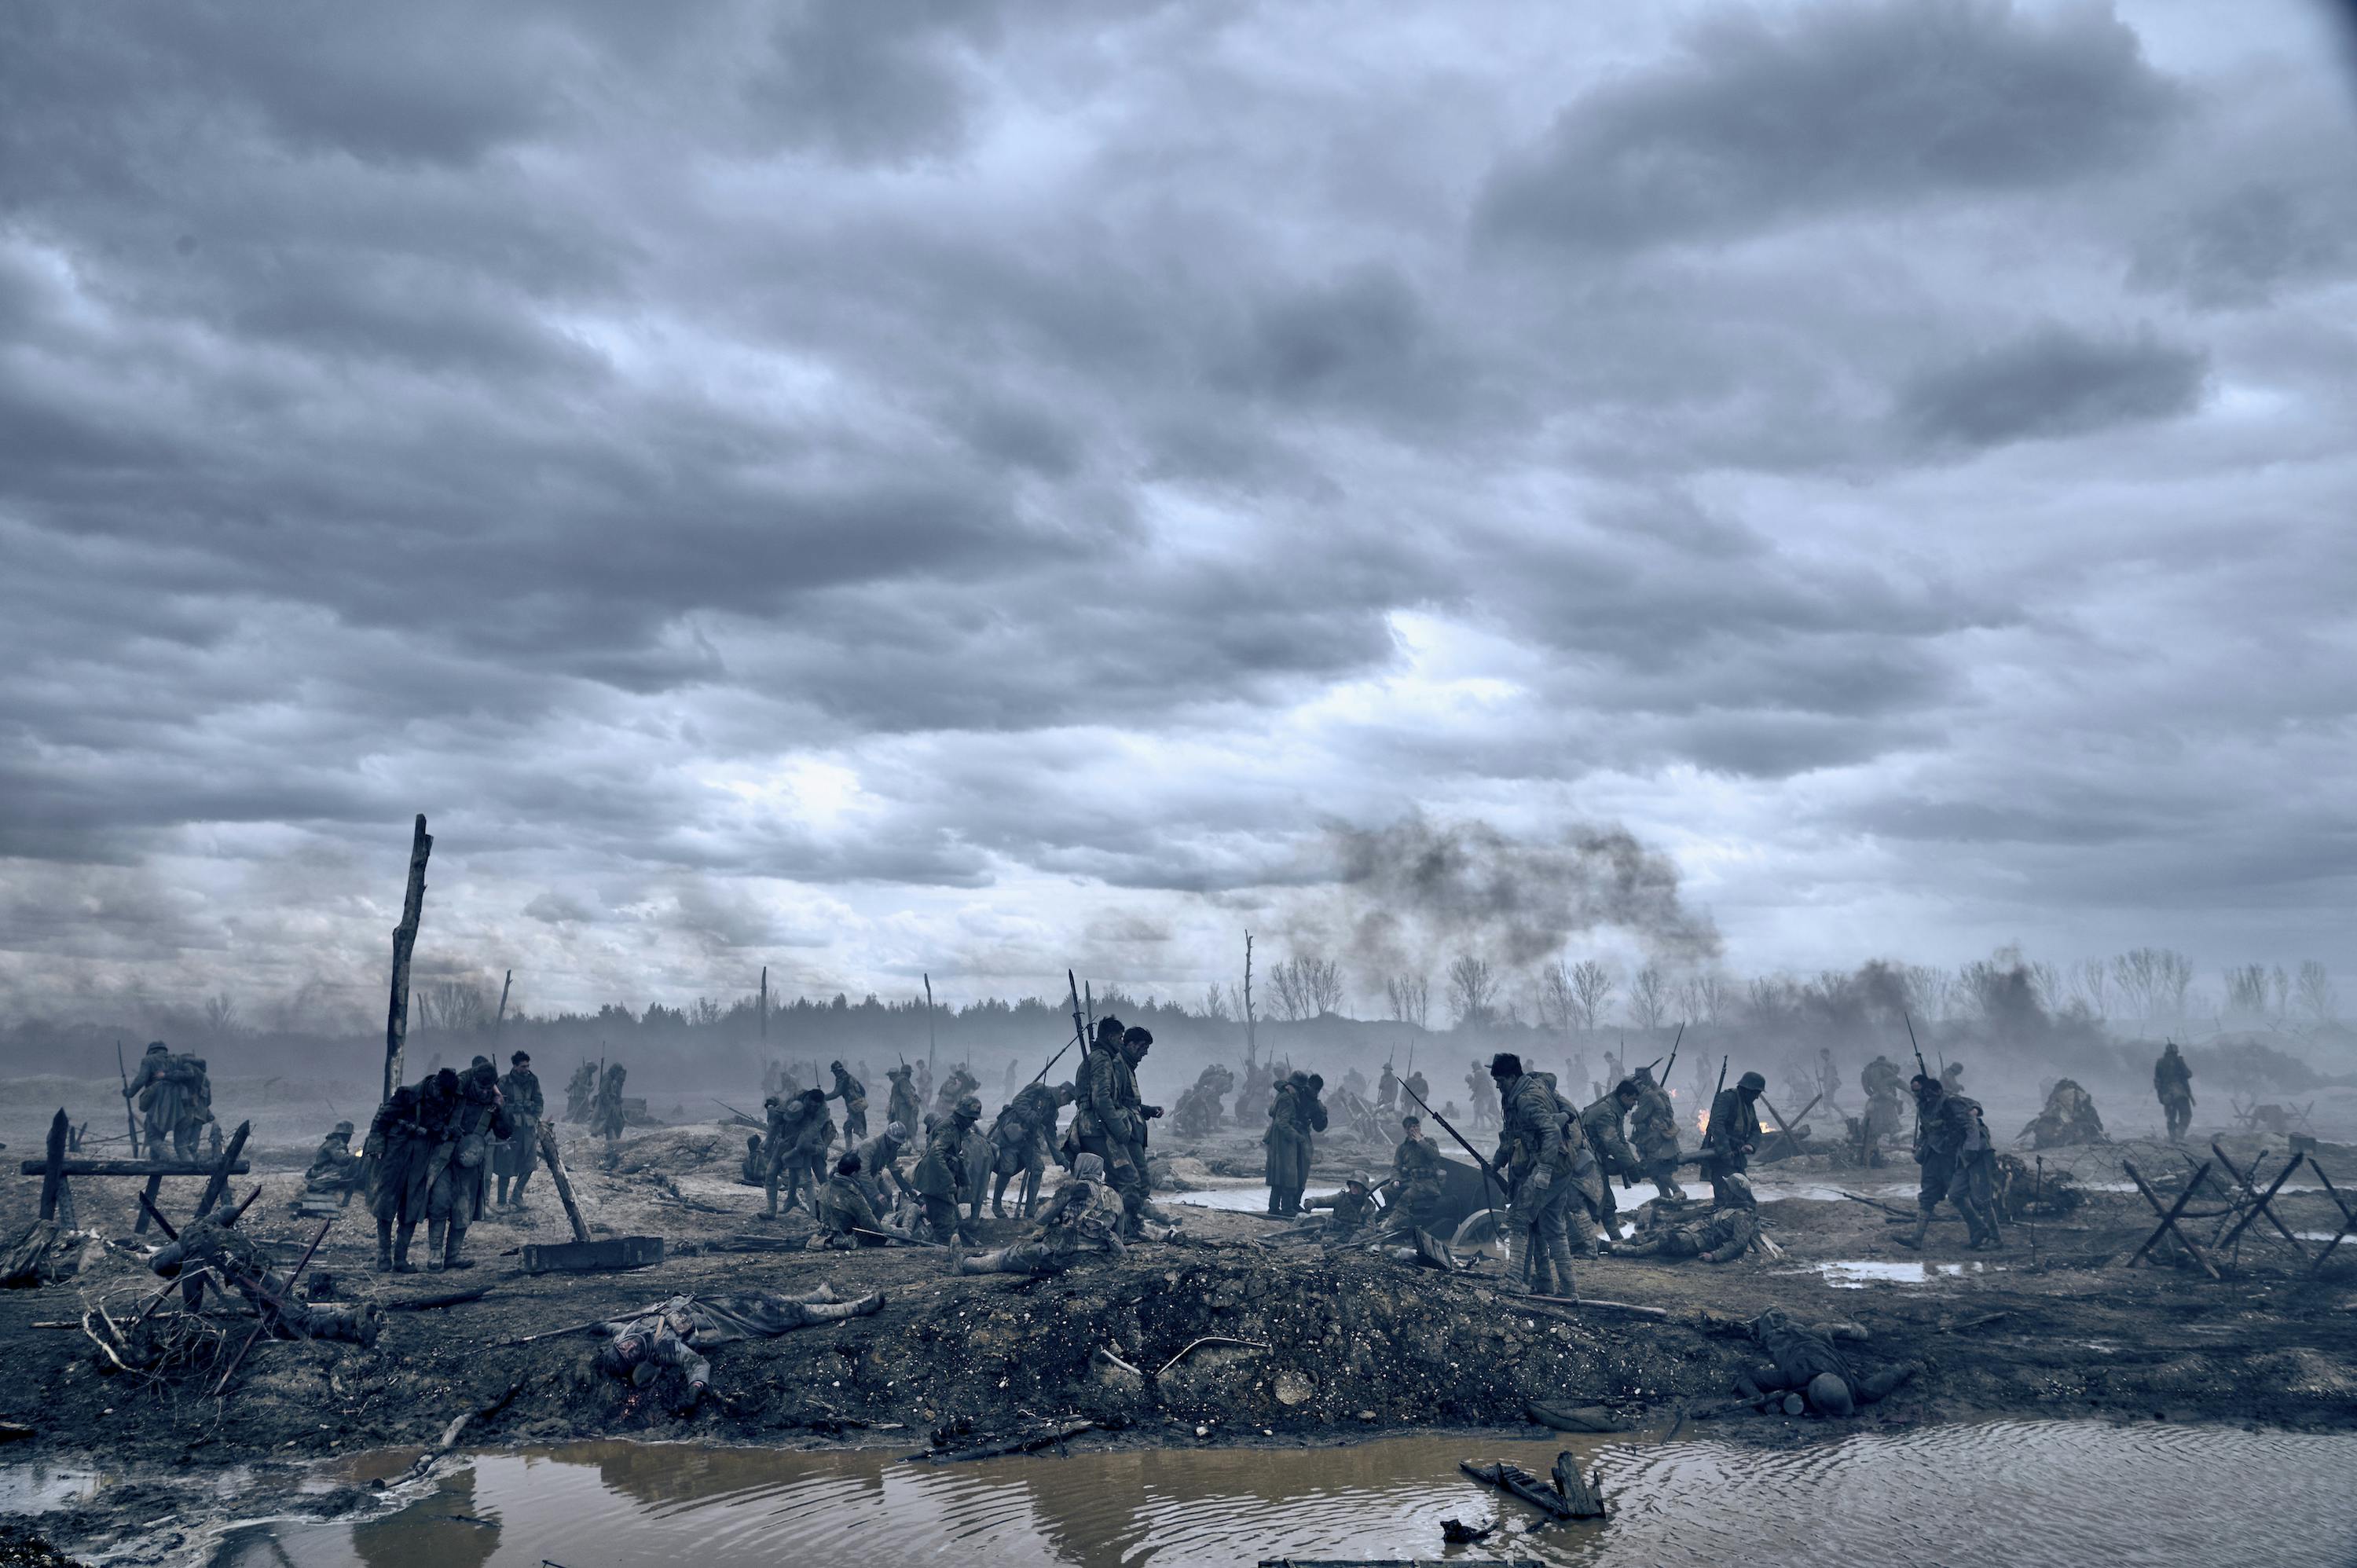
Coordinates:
x,y
873,486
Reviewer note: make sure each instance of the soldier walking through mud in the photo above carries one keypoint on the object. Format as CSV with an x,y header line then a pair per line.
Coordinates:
x,y
175,1095
607,1117
1654,1132
1601,1124
1882,1081
461,1160
1109,1123
396,1149
903,1106
1952,1144
1535,1153
854,1095
1733,1135
1387,1088
2172,1081
519,1095
1483,1093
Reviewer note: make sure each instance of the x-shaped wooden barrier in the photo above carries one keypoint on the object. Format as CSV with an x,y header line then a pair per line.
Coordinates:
x,y
2168,1213
2260,1202
2347,1217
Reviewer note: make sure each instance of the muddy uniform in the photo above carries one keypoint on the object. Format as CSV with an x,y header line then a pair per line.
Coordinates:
x,y
1387,1088
1953,1147
1084,1221
175,1097
787,1144
846,1216
1415,1085
1601,1124
1108,1124
640,1347
879,1171
1805,1362
456,1199
854,1095
211,1242
519,1095
394,1143
903,1106
942,1175
1353,1209
335,1170
1733,1132
814,1136
1884,1116
2172,1081
1654,1132
2069,1118
581,1092
1537,1156
1723,1235
1416,1181
1023,1143
606,1116
1283,1155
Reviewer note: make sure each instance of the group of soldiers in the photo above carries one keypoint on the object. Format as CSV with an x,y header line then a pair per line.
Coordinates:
x,y
174,1093
431,1153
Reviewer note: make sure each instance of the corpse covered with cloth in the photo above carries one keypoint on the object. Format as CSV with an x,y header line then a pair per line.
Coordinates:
x,y
678,1332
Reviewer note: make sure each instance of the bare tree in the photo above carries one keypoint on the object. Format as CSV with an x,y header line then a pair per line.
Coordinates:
x,y
2246,989
1286,983
1472,988
2045,980
1215,1004
2280,983
1591,988
1558,1008
1410,997
1703,997
2318,998
220,1014
453,1005
2091,981
1648,997
1932,990
1321,984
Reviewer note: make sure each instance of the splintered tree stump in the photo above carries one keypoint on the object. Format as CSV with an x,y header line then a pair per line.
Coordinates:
x,y
1584,1493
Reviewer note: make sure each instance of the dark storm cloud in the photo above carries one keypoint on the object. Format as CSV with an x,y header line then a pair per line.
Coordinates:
x,y
1901,101
2051,383
880,479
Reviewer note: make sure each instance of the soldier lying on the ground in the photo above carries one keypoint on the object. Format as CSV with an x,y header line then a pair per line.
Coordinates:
x,y
1804,1366
236,1259
677,1333
2069,1118
1721,1236
1082,1220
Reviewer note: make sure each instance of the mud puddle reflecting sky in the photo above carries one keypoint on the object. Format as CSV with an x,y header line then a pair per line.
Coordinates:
x,y
2027,1495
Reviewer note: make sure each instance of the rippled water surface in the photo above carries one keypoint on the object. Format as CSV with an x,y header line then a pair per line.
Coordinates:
x,y
2027,1495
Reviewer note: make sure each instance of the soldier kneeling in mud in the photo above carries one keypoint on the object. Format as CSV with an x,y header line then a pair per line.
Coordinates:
x,y
1723,1235
1353,1209
1804,1366
1082,1222
639,1348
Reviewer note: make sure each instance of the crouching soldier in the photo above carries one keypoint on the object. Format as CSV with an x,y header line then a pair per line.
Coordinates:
x,y
1353,1207
755,1170
335,1170
1812,1374
1719,1237
942,1175
1084,1220
846,1218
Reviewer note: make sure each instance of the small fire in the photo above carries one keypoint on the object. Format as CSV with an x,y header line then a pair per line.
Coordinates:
x,y
1702,1120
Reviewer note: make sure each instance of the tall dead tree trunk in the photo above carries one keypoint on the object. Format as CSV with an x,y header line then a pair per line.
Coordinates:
x,y
1252,1052
765,1004
502,1021
404,939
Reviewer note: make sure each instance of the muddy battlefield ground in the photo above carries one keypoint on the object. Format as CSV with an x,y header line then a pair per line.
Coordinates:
x,y
1310,1345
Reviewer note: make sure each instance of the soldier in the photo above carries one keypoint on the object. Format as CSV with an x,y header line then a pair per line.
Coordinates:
x,y
942,1175
1601,1122
606,1116
1022,1142
960,1083
397,1150
1387,1088
520,1093
1952,1078
335,1170
754,1172
1416,1180
1413,1083
455,1198
1952,1144
1719,1237
902,1106
1106,1122
1198,1111
1282,1143
211,1242
854,1095
1881,1080
1482,1093
1653,1134
2172,1081
880,1170
176,1098
1804,1365
674,1336
1085,1220
1136,1041
784,1114
1353,1207
581,1092
845,1217
923,1085
1734,1131
814,1136
2069,1118
1535,1153
1828,1078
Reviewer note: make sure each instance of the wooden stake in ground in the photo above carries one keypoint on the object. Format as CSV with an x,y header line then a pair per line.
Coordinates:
x,y
564,1183
1251,1040
765,1008
501,1022
404,939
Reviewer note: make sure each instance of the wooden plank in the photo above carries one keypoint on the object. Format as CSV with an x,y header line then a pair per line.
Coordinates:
x,y
148,1208
592,1257
158,1169
53,1169
217,1187
564,1183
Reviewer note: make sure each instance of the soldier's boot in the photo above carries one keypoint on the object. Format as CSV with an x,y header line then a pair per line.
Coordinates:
x,y
1031,1193
1923,1228
515,1195
455,1246
999,1196
433,1233
401,1263
501,1200
384,1246
963,1262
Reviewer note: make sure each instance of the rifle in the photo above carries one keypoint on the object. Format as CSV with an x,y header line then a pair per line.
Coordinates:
x,y
1710,1132
1489,1171
1921,1071
739,1114
1674,1051
130,1117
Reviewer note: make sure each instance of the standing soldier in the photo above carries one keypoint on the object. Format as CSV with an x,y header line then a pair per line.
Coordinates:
x,y
1483,1095
1536,1157
606,1116
2171,1079
581,1091
395,1152
1387,1088
1104,1124
1416,1181
1734,1130
165,1089
942,1176
1653,1128
903,1106
1601,1122
784,1115
1418,1088
456,1199
1952,1144
1282,1143
854,1095
1136,1041
1829,1079
519,1095
1881,1080
814,1136
1952,1078
1023,1142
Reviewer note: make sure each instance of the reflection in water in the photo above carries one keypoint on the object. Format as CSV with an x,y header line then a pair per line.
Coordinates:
x,y
2028,1494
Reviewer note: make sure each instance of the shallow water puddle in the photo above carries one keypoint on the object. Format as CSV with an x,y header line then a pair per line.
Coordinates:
x,y
1857,1274
2030,1495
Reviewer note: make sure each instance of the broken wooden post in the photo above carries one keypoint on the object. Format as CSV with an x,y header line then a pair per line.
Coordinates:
x,y
501,1022
53,1168
564,1183
1584,1493
2347,1217
404,939
217,1187
2169,1216
2251,1192
1512,1478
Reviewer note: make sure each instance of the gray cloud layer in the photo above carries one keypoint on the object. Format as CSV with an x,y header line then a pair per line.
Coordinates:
x,y
875,487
